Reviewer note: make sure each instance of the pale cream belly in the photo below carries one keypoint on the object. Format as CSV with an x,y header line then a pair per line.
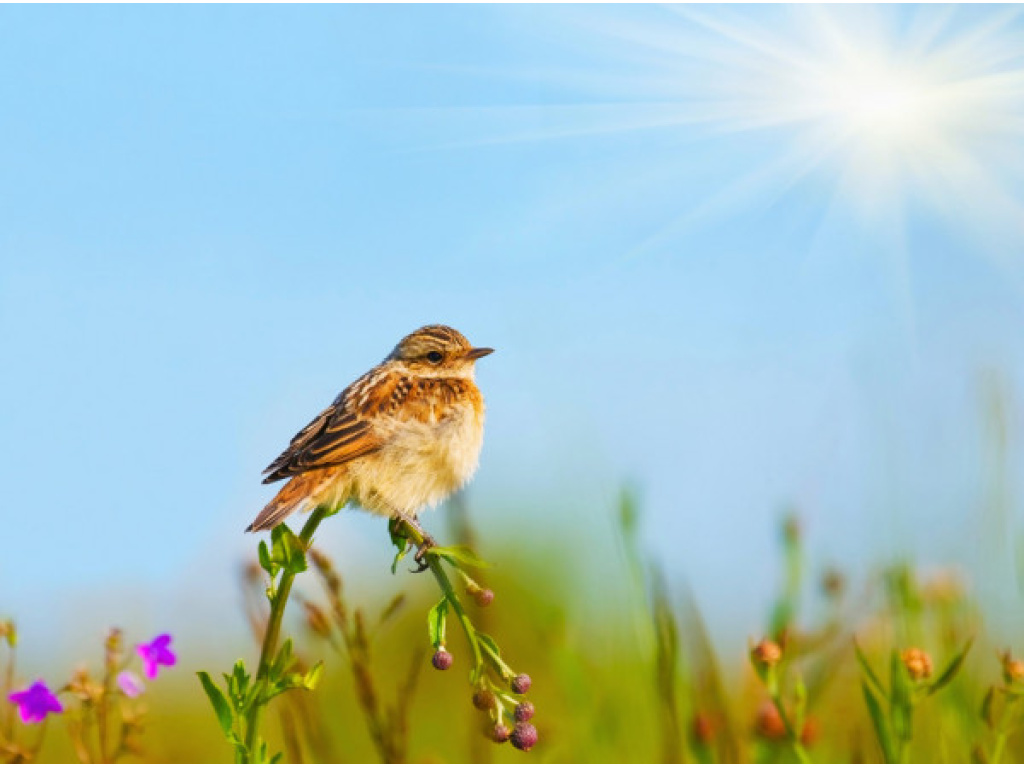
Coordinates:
x,y
419,466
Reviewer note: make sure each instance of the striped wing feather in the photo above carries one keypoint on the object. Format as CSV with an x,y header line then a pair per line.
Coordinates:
x,y
341,432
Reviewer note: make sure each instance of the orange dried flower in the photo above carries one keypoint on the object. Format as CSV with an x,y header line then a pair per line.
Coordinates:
x,y
918,664
767,652
1013,669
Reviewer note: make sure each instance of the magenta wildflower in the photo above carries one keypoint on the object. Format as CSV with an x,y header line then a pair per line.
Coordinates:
x,y
130,684
35,702
156,653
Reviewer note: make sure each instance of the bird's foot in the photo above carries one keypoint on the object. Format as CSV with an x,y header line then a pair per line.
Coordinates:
x,y
421,553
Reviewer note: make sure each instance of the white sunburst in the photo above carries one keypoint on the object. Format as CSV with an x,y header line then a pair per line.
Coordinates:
x,y
887,107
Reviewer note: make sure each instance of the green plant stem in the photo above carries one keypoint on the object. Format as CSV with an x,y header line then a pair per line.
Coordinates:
x,y
794,737
1002,732
277,605
413,534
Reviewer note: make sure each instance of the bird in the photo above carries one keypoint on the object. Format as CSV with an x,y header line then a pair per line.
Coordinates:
x,y
401,438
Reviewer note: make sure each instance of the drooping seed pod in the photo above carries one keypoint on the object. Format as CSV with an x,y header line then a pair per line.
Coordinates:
x,y
524,737
442,660
521,683
524,711
484,700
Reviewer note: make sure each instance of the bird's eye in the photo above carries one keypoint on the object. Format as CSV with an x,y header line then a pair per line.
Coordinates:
x,y
435,357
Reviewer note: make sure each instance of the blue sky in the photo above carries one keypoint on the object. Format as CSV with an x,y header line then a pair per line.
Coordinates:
x,y
702,275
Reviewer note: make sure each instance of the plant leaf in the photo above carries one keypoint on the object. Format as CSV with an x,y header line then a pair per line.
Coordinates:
x,y
265,563
951,669
437,619
900,704
460,556
488,642
312,678
869,673
878,720
219,702
986,706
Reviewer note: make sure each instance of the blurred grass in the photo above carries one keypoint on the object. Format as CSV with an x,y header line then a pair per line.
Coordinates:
x,y
638,680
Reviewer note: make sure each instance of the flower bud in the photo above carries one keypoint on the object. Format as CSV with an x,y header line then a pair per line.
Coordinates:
x,y
703,728
483,597
500,733
1013,669
918,664
768,722
832,584
442,660
524,711
809,733
521,683
767,653
524,736
485,700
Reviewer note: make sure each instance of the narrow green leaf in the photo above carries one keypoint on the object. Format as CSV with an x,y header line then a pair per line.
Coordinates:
x,y
869,673
900,704
878,720
951,669
488,642
219,703
264,554
437,619
460,556
986,706
312,679
403,549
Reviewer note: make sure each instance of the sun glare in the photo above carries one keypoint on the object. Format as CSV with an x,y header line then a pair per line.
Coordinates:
x,y
882,104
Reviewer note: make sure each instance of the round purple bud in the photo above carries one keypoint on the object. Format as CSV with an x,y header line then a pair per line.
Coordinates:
x,y
500,733
485,700
442,660
483,597
524,736
524,711
521,683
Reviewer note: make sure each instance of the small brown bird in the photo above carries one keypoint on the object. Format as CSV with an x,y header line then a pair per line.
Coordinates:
x,y
403,436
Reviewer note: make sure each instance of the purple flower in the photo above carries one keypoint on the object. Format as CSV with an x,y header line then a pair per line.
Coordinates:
x,y
130,684
156,653
35,702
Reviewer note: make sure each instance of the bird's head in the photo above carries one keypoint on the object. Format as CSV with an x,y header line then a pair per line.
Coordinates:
x,y
437,350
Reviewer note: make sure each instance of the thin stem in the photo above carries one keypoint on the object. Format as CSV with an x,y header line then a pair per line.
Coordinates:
x,y
416,536
794,737
273,631
1002,732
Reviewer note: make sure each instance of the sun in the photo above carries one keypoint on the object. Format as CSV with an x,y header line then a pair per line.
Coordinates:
x,y
883,105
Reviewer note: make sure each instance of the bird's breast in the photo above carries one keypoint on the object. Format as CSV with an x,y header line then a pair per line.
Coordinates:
x,y
431,450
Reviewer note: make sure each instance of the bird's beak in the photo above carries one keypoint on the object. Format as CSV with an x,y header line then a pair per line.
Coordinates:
x,y
477,352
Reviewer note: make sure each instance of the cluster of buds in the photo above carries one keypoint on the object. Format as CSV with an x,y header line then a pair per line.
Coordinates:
x,y
498,705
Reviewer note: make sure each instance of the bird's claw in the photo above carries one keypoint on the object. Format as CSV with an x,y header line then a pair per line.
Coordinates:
x,y
421,554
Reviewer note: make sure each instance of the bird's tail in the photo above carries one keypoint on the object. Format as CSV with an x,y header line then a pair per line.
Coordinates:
x,y
300,493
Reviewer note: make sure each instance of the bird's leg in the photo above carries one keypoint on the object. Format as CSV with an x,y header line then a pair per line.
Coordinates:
x,y
426,540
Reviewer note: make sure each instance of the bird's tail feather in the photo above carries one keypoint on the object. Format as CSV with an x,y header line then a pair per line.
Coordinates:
x,y
300,493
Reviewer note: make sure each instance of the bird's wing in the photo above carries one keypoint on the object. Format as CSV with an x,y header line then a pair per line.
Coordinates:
x,y
344,431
